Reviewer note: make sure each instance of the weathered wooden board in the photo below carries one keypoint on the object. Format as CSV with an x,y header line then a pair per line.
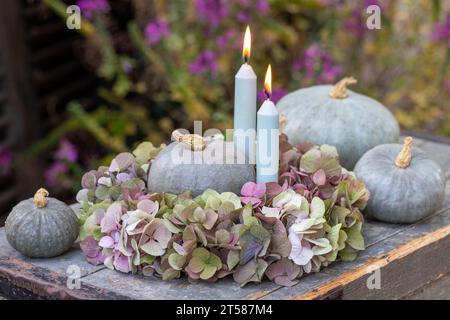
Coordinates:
x,y
57,264
410,258
439,288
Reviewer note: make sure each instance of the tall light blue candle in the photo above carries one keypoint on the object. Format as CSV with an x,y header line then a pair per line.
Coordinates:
x,y
244,134
267,154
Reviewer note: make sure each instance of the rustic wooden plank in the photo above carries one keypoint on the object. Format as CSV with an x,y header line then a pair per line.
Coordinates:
x,y
396,249
34,282
138,287
57,264
336,281
436,289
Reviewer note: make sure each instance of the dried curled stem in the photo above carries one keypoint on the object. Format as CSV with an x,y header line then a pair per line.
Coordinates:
x,y
339,91
40,198
404,157
194,141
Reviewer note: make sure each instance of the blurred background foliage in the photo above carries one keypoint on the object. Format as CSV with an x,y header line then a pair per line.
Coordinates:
x,y
163,64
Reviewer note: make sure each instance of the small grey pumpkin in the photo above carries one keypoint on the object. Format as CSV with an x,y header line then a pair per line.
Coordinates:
x,y
41,227
167,174
333,115
405,185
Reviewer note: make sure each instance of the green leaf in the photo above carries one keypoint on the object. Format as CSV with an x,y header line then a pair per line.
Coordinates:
x,y
170,274
208,272
354,236
232,259
177,261
348,254
171,227
247,216
317,208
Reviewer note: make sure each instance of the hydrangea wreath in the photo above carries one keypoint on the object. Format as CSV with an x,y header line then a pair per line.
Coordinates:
x,y
282,231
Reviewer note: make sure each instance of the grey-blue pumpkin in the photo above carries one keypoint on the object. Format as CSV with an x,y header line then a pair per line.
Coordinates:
x,y
405,185
195,172
41,227
333,115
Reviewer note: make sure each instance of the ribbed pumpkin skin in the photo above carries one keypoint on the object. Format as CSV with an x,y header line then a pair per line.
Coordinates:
x,y
400,195
42,232
354,125
167,176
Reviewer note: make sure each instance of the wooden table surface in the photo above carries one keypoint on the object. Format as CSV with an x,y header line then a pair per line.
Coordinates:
x,y
412,261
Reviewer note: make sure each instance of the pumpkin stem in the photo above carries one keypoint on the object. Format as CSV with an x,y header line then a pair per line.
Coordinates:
x,y
404,157
339,90
282,122
40,198
194,141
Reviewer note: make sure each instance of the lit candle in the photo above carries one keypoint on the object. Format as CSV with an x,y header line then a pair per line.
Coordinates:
x,y
267,154
245,104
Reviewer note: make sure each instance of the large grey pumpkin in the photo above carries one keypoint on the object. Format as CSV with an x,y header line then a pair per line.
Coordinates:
x,y
169,175
41,227
405,185
333,115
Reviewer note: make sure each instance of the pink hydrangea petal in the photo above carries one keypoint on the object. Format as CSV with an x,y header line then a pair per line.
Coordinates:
x,y
251,189
301,254
121,263
254,201
90,247
110,221
106,242
148,206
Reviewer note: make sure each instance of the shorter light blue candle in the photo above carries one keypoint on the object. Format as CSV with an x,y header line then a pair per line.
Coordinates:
x,y
267,154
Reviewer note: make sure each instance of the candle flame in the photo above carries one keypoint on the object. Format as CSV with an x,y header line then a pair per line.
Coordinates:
x,y
268,82
247,44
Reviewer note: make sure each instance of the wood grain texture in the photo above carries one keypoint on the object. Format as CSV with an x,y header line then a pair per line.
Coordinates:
x,y
436,289
414,261
57,264
23,280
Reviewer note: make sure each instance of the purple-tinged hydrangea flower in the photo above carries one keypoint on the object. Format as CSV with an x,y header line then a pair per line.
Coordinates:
x,y
157,30
6,158
92,251
212,11
253,193
67,151
441,31
111,220
90,7
301,252
54,173
205,62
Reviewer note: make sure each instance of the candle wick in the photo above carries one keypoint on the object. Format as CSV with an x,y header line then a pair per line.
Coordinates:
x,y
267,94
246,59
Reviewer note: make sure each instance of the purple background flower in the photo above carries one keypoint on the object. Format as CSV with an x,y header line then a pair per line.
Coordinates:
x,y
317,63
67,151
205,62
441,31
54,173
90,7
6,158
212,11
157,30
